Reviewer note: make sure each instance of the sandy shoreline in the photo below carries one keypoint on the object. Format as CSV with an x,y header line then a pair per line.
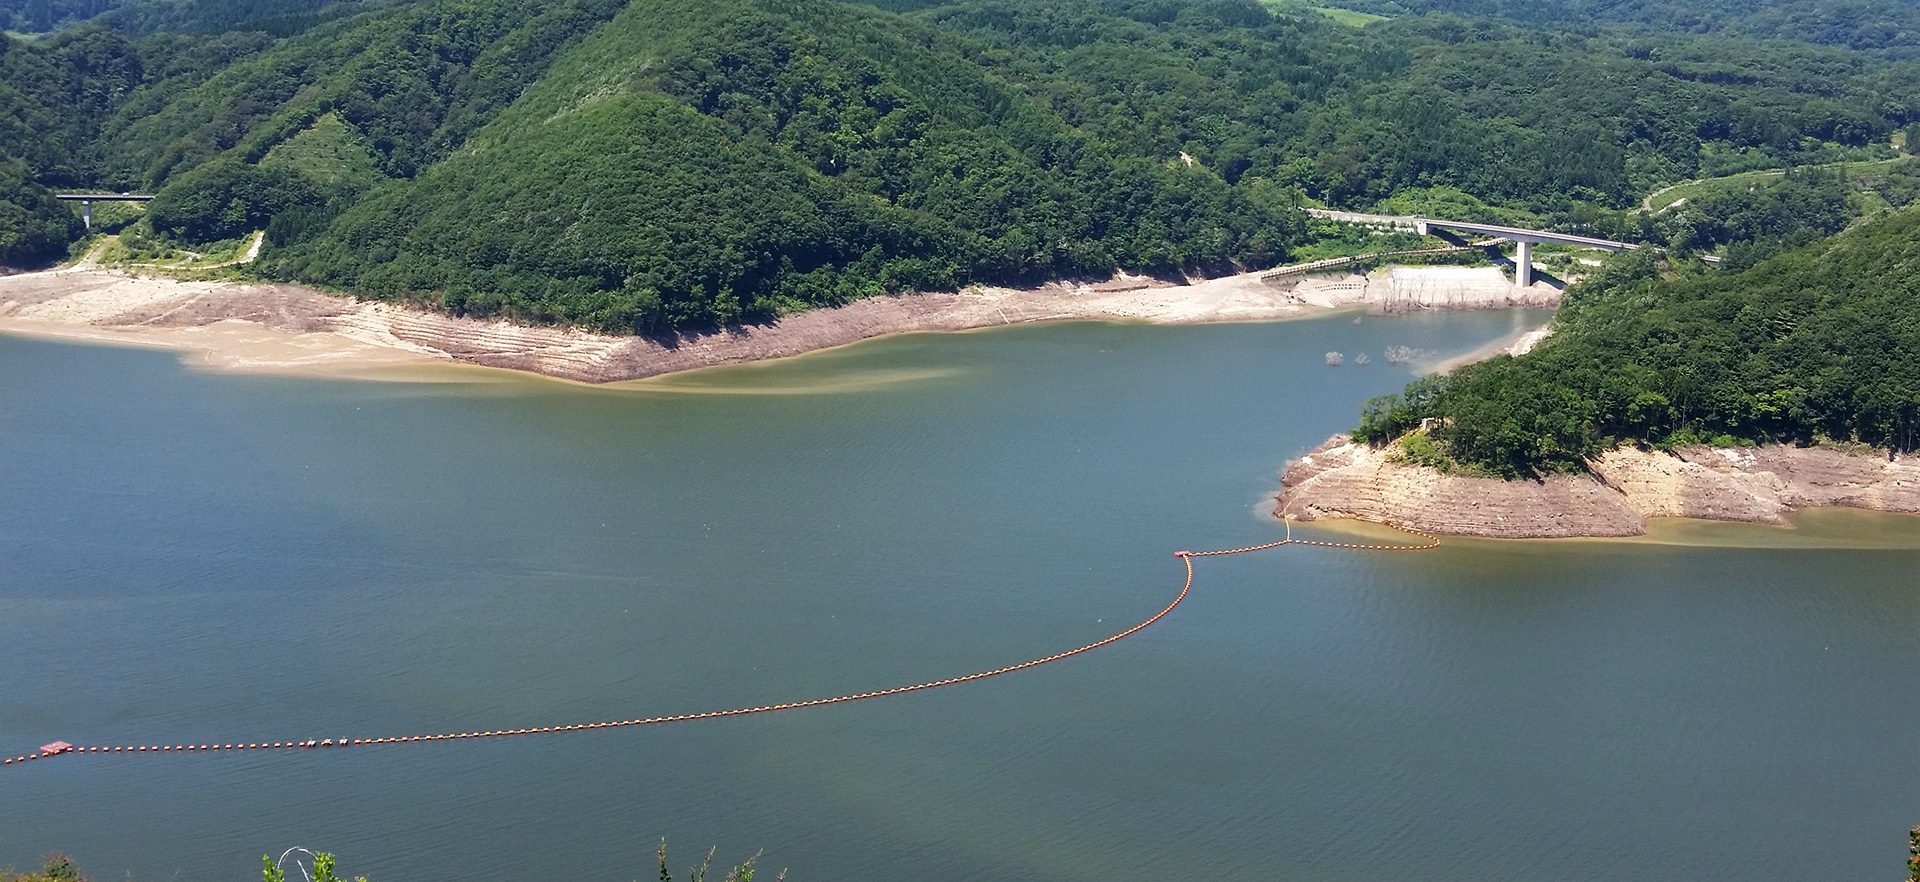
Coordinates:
x,y
1625,491
287,328
290,329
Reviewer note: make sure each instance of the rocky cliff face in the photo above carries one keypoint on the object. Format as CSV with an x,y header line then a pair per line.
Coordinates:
x,y
1340,479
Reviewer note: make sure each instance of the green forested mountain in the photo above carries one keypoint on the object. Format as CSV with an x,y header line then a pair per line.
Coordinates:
x,y
1890,25
711,161
648,165
279,17
32,223
415,81
1821,342
1769,215
40,16
1547,119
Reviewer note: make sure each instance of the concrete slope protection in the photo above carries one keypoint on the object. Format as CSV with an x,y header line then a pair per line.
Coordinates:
x,y
62,748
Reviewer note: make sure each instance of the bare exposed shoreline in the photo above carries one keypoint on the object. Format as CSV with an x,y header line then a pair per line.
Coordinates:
x,y
286,328
291,329
1627,488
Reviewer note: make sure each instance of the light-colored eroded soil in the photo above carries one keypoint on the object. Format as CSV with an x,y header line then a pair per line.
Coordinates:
x,y
1340,479
285,327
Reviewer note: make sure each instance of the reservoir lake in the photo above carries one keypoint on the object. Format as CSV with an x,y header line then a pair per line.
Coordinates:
x,y
191,557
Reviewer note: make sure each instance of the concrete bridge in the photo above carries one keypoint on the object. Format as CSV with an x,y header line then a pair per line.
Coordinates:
x,y
1522,238
87,200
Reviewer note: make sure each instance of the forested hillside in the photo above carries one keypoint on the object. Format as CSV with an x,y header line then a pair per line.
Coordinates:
x,y
1546,119
277,17
711,161
1888,25
644,167
1819,343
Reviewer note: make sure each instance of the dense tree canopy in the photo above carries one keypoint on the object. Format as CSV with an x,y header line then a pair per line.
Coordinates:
x,y
1892,25
227,199
34,227
1821,342
280,17
772,160
650,166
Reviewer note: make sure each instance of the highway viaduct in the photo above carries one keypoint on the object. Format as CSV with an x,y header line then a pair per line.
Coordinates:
x,y
1522,238
87,200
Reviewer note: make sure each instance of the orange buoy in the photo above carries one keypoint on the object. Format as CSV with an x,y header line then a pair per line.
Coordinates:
x,y
1185,556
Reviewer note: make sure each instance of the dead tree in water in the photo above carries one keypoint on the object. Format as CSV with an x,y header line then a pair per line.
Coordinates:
x,y
1404,354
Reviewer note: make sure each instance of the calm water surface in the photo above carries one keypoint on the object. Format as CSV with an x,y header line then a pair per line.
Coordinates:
x,y
188,557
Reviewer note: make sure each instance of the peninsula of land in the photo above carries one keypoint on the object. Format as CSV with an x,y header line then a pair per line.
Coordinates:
x,y
265,327
1624,487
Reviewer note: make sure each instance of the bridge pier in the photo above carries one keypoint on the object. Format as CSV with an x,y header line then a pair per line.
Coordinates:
x,y
87,200
1523,263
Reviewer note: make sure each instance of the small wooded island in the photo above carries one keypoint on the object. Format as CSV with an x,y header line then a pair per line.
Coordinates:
x,y
1664,390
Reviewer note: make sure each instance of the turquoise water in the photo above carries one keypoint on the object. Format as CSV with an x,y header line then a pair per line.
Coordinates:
x,y
192,557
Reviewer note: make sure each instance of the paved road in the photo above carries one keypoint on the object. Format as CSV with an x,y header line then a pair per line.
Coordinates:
x,y
104,197
1422,224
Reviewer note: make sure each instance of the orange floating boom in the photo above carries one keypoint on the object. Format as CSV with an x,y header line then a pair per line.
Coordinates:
x,y
61,747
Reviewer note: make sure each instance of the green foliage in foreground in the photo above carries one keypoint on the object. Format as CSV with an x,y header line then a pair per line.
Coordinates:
x,y
61,868
1819,343
56,868
323,869
742,873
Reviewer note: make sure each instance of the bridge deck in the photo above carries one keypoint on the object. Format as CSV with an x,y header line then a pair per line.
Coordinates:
x,y
1516,234
104,197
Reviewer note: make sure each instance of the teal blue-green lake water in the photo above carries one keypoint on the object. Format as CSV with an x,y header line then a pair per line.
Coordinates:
x,y
188,557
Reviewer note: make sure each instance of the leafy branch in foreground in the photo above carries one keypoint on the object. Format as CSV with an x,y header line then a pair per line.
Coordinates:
x,y
742,873
61,868
57,867
323,864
